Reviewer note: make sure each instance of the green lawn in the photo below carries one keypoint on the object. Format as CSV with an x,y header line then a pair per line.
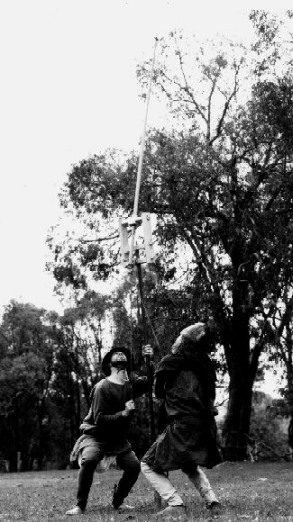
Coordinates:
x,y
248,491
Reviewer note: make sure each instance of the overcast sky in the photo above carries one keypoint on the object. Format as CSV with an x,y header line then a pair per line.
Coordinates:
x,y
68,90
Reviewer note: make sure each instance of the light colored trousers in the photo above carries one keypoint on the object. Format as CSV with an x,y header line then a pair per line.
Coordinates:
x,y
166,490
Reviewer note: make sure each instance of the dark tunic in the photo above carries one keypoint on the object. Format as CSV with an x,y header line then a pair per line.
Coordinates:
x,y
104,422
186,383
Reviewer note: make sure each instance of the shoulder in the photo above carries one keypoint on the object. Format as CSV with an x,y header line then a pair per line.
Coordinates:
x,y
166,363
167,358
101,386
170,363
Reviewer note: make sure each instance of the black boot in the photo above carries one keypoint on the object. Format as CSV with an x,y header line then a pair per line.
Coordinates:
x,y
215,509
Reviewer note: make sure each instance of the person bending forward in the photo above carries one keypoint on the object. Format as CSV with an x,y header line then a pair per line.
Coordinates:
x,y
185,380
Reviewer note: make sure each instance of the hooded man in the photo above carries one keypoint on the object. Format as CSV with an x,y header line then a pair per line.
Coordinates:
x,y
185,380
104,430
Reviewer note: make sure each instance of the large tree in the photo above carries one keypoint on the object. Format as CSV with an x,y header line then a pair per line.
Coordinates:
x,y
220,185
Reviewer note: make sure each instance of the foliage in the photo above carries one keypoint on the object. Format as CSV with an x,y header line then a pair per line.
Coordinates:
x,y
26,368
274,51
48,365
268,430
219,182
273,44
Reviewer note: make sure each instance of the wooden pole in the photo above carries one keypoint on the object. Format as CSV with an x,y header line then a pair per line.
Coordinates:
x,y
147,357
140,161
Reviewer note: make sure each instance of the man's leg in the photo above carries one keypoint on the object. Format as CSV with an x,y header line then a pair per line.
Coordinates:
x,y
163,486
131,468
84,481
90,456
201,482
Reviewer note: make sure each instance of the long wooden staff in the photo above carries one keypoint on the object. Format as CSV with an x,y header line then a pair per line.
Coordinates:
x,y
133,222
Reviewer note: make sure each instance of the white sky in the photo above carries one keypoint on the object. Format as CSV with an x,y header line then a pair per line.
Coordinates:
x,y
68,90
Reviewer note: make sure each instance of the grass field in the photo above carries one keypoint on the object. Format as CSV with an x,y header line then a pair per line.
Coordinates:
x,y
248,491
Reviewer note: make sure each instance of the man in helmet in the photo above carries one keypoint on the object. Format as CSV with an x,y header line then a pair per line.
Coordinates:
x,y
104,430
185,380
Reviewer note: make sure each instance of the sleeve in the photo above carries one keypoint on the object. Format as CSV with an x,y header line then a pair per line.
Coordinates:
x,y
163,379
100,407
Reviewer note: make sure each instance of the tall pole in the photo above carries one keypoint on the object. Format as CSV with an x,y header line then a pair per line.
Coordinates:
x,y
147,357
142,146
131,246
140,161
133,223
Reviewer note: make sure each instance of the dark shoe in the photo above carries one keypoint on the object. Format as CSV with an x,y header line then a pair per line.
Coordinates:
x,y
215,508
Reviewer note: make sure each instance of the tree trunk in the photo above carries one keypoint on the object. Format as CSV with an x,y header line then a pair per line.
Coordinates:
x,y
40,446
236,429
290,398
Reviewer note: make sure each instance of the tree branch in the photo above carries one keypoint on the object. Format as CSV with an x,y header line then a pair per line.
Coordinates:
x,y
226,107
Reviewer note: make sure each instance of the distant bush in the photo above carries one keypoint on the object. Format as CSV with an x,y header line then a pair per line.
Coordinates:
x,y
268,438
